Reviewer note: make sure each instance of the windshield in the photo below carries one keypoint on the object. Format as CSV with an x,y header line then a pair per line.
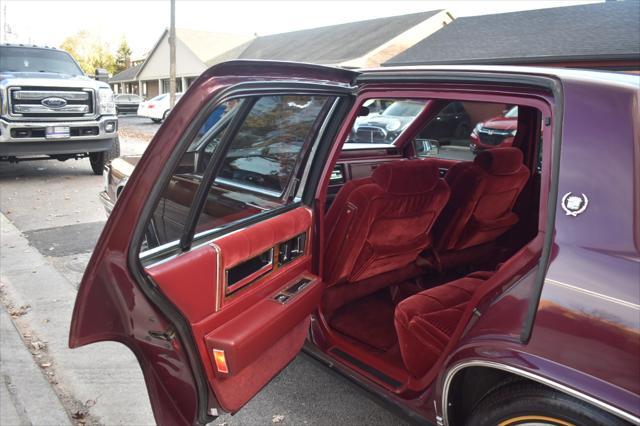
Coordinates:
x,y
25,59
404,109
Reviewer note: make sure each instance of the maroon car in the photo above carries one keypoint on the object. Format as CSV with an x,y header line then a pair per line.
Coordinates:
x,y
501,288
495,132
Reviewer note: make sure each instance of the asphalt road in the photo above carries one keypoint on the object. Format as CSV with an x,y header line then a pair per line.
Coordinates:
x,y
55,206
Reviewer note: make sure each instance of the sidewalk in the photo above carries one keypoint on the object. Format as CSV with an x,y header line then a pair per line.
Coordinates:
x,y
101,382
26,397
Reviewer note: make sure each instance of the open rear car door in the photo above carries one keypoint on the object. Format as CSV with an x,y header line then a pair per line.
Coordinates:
x,y
204,268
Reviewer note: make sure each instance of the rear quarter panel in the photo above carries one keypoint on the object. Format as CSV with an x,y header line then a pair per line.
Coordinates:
x,y
586,334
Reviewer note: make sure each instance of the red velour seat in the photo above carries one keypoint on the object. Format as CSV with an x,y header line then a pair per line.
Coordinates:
x,y
425,321
483,193
382,223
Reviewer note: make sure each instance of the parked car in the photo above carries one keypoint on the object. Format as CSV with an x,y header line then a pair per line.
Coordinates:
x,y
495,132
452,123
49,109
385,126
157,109
127,103
504,292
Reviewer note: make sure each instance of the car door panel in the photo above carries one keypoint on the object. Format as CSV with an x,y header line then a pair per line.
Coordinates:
x,y
259,332
172,313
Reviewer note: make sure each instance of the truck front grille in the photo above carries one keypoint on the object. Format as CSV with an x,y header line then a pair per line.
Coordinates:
x,y
51,103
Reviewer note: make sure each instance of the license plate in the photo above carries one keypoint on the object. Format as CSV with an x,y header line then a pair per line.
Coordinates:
x,y
57,132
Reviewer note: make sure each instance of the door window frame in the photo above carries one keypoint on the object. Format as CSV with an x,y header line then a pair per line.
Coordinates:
x,y
251,90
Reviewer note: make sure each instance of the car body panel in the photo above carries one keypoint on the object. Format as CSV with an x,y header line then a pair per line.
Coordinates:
x,y
586,334
156,108
127,103
580,308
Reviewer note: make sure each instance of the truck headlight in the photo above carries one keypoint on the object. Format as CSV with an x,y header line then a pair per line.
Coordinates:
x,y
106,103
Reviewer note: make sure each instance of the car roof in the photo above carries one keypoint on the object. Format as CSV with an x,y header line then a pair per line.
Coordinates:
x,y
594,76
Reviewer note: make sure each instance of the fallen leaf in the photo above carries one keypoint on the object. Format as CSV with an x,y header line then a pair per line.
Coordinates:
x,y
277,418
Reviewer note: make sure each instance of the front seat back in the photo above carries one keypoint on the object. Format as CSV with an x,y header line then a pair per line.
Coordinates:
x,y
381,223
483,193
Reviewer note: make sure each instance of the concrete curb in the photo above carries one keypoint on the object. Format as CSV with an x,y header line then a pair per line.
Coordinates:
x,y
21,381
103,381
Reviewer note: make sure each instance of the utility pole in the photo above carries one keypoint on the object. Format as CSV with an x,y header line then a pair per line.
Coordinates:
x,y
172,56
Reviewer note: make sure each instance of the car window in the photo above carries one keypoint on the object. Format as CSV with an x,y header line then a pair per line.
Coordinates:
x,y
264,156
159,97
468,128
259,165
384,120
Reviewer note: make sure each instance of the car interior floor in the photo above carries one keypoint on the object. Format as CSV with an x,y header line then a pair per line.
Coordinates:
x,y
367,323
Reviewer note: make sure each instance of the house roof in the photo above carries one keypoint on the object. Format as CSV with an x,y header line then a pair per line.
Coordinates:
x,y
204,44
600,31
207,45
331,44
126,75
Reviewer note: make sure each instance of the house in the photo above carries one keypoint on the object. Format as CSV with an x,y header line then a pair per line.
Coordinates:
x,y
597,36
194,50
355,44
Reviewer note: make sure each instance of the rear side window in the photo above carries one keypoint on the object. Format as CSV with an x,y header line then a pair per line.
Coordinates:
x,y
264,152
264,157
462,129
263,142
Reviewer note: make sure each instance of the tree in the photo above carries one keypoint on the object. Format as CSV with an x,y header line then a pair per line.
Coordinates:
x,y
123,56
90,52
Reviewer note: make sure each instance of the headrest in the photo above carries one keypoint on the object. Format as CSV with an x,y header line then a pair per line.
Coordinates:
x,y
407,177
500,161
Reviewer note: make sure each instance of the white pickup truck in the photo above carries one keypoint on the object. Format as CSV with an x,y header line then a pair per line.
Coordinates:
x,y
49,109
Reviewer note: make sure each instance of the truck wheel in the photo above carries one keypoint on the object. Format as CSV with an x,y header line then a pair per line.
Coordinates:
x,y
526,403
100,159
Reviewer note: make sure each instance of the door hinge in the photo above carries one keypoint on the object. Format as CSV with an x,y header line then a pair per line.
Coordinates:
x,y
167,335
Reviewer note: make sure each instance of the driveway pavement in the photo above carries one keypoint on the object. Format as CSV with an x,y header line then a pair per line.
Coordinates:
x,y
51,218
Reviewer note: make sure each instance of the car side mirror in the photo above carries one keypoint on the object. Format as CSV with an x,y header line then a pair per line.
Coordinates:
x,y
426,147
101,74
363,111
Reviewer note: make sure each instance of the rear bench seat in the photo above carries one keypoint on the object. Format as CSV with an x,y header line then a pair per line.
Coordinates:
x,y
426,321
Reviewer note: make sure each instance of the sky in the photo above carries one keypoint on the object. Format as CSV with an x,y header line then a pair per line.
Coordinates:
x,y
48,22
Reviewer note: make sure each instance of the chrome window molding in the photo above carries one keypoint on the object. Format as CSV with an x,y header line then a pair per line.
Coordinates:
x,y
248,187
451,373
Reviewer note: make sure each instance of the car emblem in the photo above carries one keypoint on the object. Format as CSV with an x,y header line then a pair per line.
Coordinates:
x,y
573,205
54,103
489,131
